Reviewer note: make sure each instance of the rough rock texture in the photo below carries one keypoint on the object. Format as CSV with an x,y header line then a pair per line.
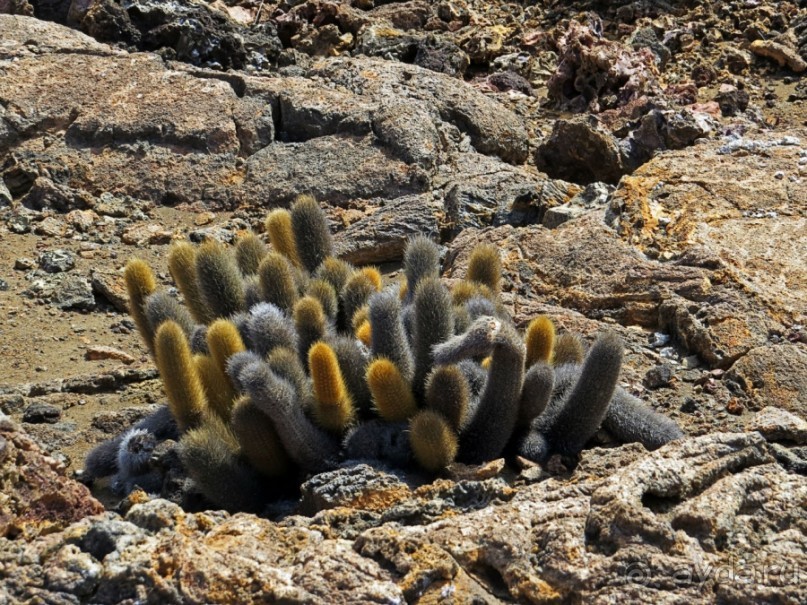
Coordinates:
x,y
714,515
37,496
188,119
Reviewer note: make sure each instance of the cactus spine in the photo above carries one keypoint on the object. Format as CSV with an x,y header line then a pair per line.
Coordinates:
x,y
281,235
540,340
433,441
249,251
182,265
219,280
140,283
333,404
185,393
311,232
392,395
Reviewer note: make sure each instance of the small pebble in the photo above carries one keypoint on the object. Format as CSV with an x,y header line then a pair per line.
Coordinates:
x,y
659,376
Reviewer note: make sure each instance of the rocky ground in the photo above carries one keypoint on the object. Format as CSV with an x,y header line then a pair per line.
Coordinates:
x,y
640,165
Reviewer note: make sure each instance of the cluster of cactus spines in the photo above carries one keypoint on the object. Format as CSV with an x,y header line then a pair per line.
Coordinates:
x,y
333,406
277,284
160,306
392,393
220,281
104,460
354,296
281,235
335,271
434,441
580,400
540,340
311,234
210,453
182,265
186,396
140,283
310,322
488,432
628,419
388,339
325,293
421,261
291,360
134,463
249,252
434,324
535,394
353,359
306,443
448,393
568,349
485,267
258,440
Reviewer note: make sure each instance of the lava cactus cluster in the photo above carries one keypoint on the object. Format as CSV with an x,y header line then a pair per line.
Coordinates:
x,y
286,361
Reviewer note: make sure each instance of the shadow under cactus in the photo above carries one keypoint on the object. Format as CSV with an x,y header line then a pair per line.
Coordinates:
x,y
286,361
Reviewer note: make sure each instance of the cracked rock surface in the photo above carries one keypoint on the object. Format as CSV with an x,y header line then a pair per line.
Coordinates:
x,y
640,167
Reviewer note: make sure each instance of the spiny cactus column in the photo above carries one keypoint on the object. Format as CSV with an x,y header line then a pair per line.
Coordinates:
x,y
281,234
433,441
421,261
311,232
182,265
211,455
140,283
334,406
277,281
186,396
219,280
392,394
540,340
249,251
495,419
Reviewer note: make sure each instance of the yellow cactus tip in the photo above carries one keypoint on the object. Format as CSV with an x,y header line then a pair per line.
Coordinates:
x,y
333,403
540,340
433,441
374,275
364,333
391,393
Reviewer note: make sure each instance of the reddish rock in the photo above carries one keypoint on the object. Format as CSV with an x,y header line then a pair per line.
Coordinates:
x,y
38,497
